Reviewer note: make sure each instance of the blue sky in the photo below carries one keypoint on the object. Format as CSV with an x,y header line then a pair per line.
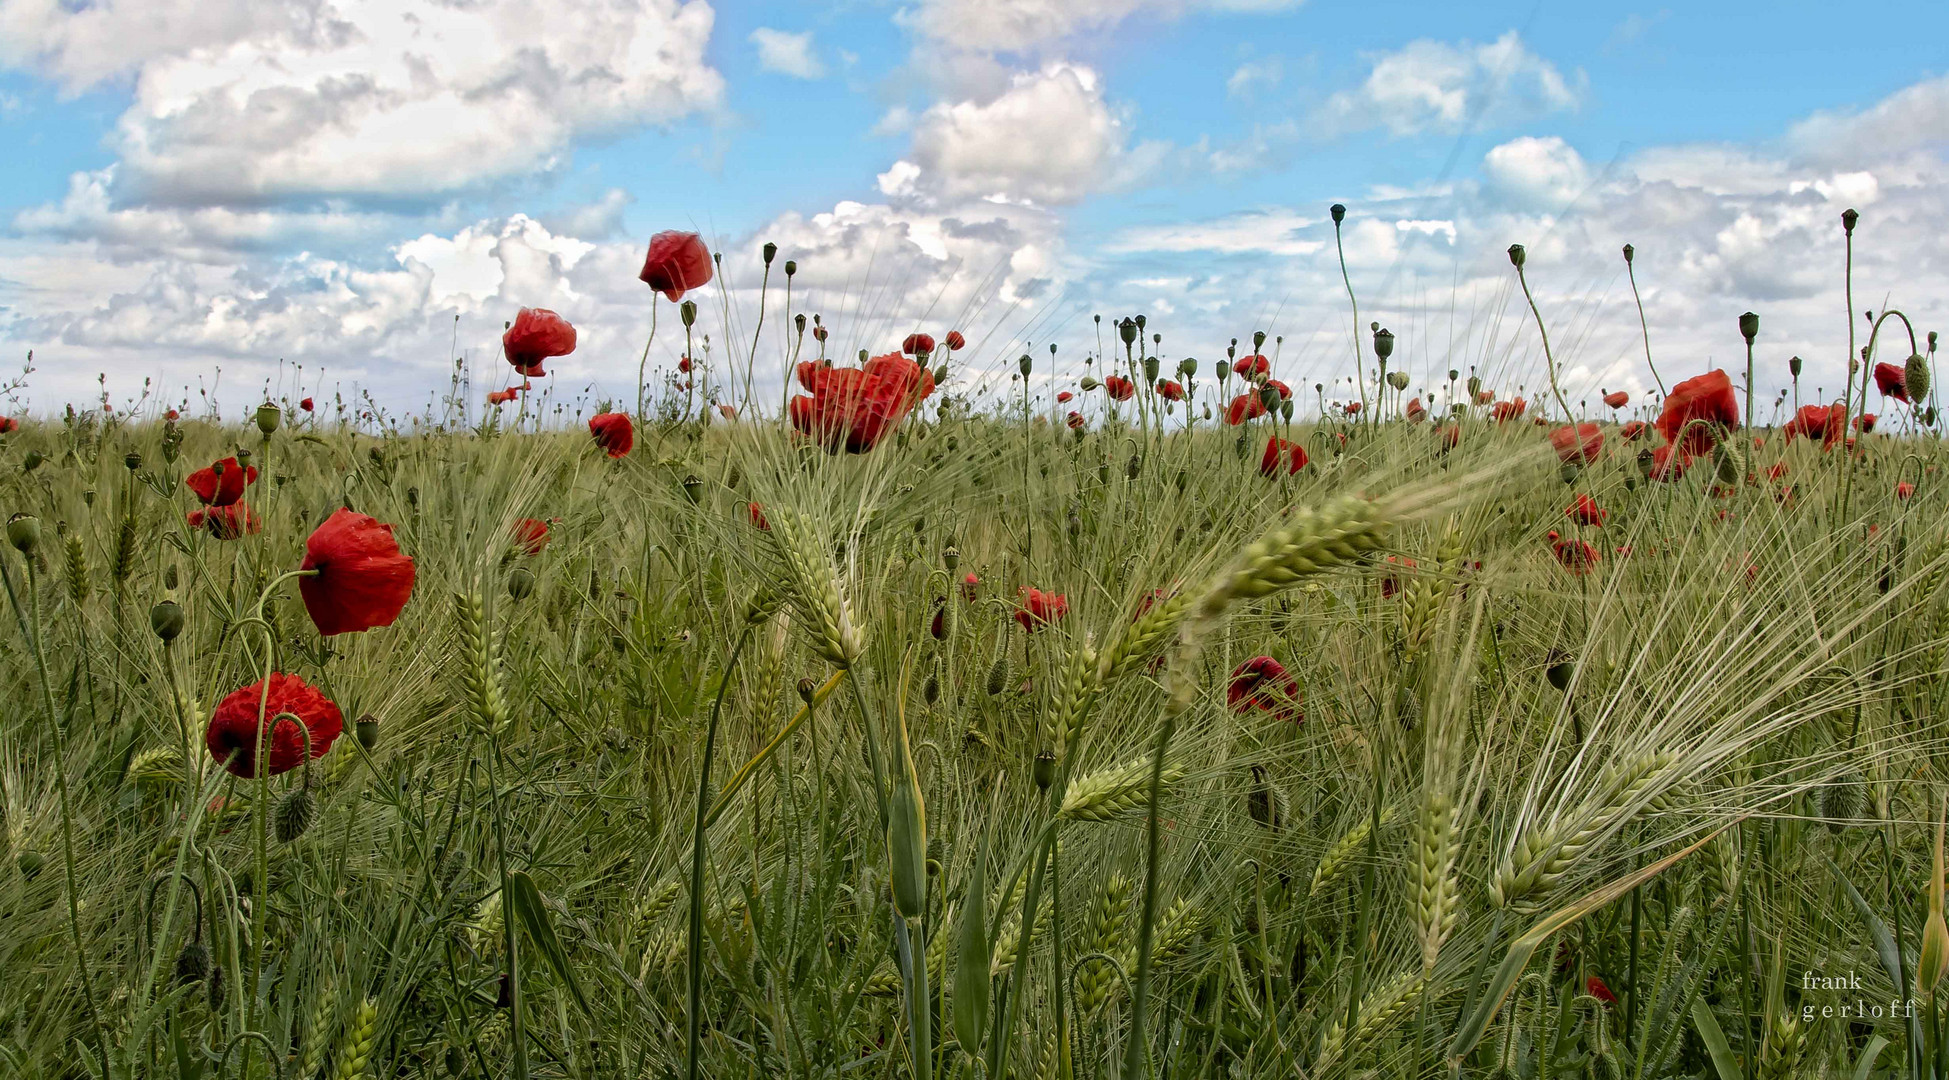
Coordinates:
x,y
224,183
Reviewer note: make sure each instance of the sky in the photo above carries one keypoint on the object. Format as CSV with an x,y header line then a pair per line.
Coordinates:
x,y
216,200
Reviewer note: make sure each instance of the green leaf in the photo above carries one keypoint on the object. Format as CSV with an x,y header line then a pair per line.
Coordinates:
x,y
1723,1060
540,925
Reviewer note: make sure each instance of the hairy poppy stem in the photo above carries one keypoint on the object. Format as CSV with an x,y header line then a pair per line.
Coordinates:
x,y
1643,326
694,940
1136,1051
1549,360
1359,374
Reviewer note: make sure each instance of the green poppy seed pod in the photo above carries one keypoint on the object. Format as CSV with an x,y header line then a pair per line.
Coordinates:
x,y
1026,364
1224,370
1398,380
1516,256
798,321
1915,377
1044,769
1339,213
791,267
1932,341
133,460
1475,386
1383,343
367,730
1150,369
192,964
1127,330
693,489
807,688
29,863
1749,327
521,583
269,416
1258,340
951,558
1453,374
166,619
771,252
1140,322
24,533
1793,367
1567,473
295,813
32,461
687,311
1629,251
1187,367
1269,396
1559,674
1848,218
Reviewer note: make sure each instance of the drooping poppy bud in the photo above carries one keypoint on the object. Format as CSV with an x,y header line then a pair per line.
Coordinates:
x,y
676,263
1915,378
1516,256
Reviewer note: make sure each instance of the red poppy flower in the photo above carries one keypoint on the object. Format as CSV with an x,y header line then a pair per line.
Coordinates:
x,y
536,335
970,586
856,407
531,534
1064,397
1903,490
683,365
1892,381
305,404
1249,367
1697,408
954,340
1585,511
1076,421
1170,391
361,581
677,263
938,628
756,513
1391,581
1278,451
1483,397
1449,436
1415,412
1577,556
1595,987
1864,423
1668,463
227,522
1353,408
1828,423
7,424
613,433
917,345
728,412
1634,430
1284,390
1578,445
1244,407
1617,399
233,727
172,415
1119,388
1039,609
502,397
1512,409
222,483
1263,683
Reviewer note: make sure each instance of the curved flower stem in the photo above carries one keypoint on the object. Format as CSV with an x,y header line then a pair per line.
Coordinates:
x,y
61,787
694,940
1643,326
1847,481
1359,374
1549,360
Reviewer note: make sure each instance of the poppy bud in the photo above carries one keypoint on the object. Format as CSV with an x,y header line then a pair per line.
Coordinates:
x,y
169,576
521,583
1629,251
192,964
1516,256
1339,213
1915,377
1044,769
1286,410
1475,386
930,691
1140,322
1383,343
133,460
32,461
693,489
1749,327
367,730
1025,364
268,418
1567,473
997,680
29,863
1224,370
687,311
1793,366
294,815
1397,379
940,376
1932,341
24,533
799,319
1188,367
807,688
771,252
216,988
1848,218
166,619
1089,383
1127,330
1928,416
1150,370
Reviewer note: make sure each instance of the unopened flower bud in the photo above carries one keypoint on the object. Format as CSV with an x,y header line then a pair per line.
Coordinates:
x,y
1629,251
1339,213
1026,364
687,311
1793,367
1044,769
771,252
166,619
1516,255
791,267
521,583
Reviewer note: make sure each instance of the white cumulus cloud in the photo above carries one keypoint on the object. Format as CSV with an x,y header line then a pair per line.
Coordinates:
x,y
1439,86
787,53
